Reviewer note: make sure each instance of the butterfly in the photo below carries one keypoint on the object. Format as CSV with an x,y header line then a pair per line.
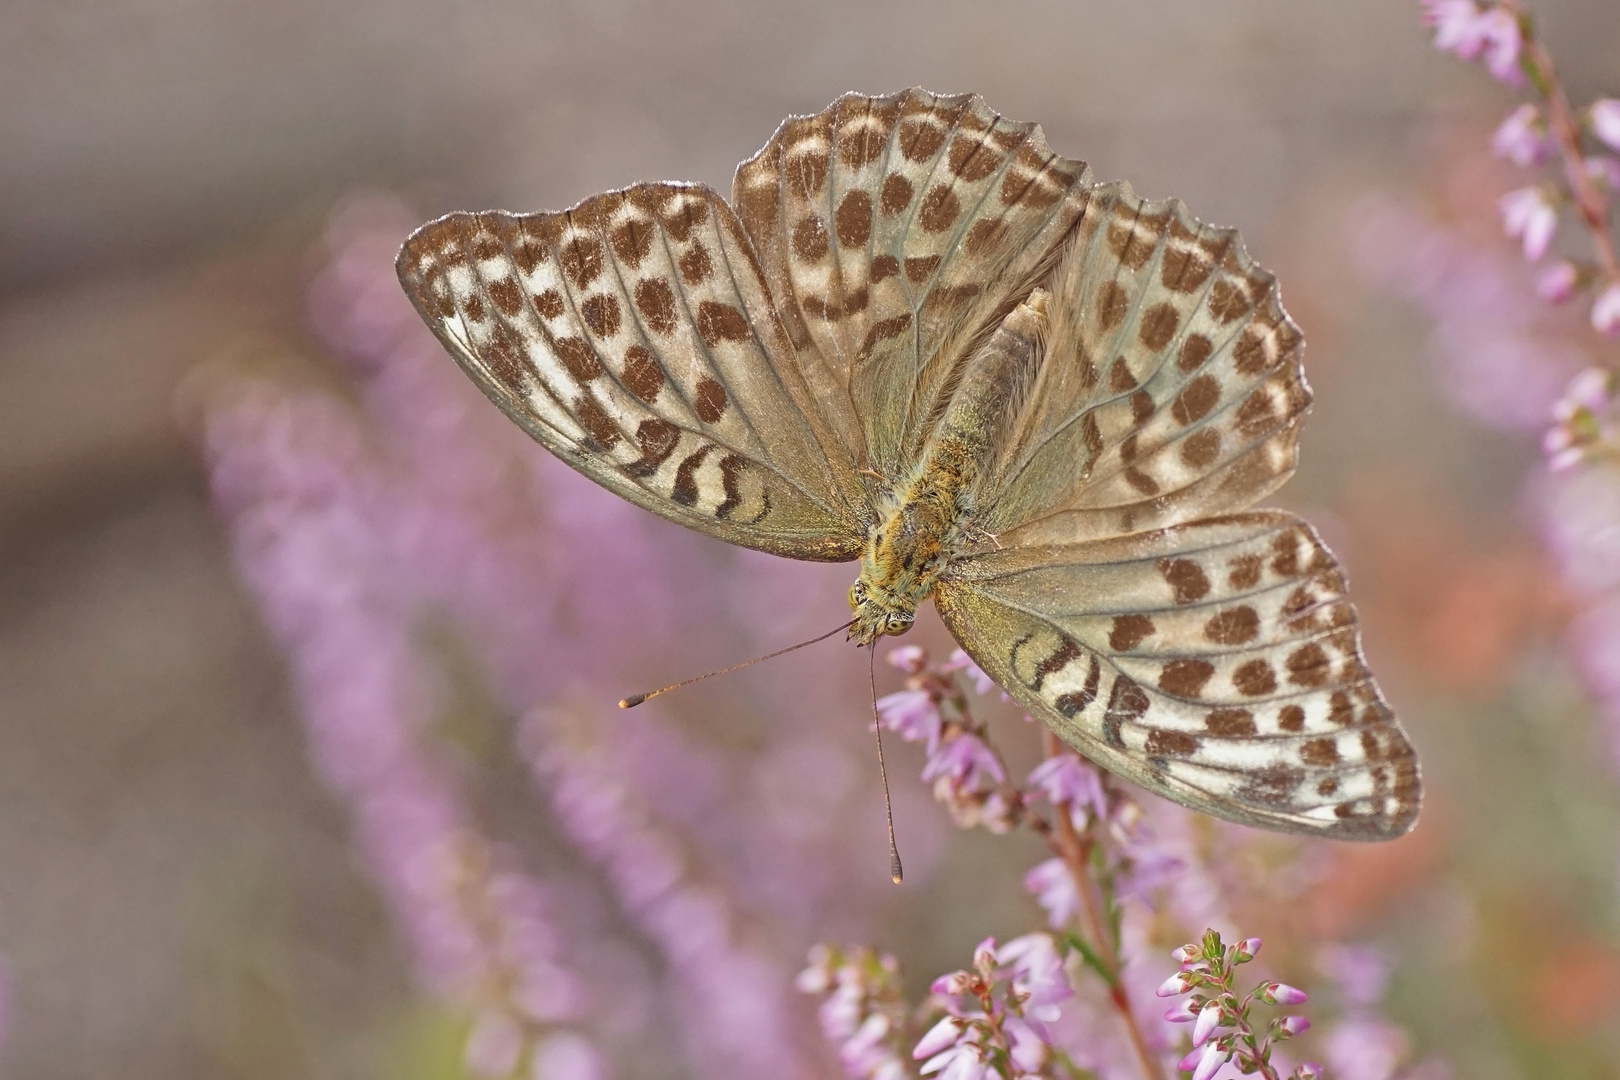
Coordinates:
x,y
919,338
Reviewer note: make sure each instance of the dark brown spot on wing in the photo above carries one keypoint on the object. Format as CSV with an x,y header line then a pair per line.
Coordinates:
x,y
939,210
884,267
1235,626
1195,349
1111,305
921,269
806,173
656,302
1128,632
1320,752
1196,400
972,160
1291,718
1255,678
474,306
1245,571
595,419
1185,678
810,240
1158,326
657,440
1120,379
549,303
507,296
719,322
731,467
710,401
581,260
897,193
579,358
1201,448
696,266
986,235
1230,723
1183,271
1175,743
505,357
1273,786
642,375
920,140
601,314
1308,665
632,241
1227,301
1186,578
854,219
1249,355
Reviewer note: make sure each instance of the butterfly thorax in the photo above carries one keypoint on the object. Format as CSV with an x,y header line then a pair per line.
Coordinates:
x,y
925,514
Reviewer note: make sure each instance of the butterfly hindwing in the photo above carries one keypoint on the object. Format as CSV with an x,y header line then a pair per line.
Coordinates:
x,y
891,229
634,337
1217,663
1171,387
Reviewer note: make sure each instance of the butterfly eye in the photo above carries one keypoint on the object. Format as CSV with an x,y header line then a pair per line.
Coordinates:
x,y
857,595
896,623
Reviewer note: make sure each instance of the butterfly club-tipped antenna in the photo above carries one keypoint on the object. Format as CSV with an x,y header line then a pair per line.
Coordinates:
x,y
636,699
897,874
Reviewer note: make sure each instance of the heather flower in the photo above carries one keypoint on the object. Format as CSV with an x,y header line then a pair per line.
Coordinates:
x,y
1604,118
863,1012
1359,971
1065,779
961,661
1456,26
1364,1048
1558,282
1522,137
966,763
914,716
1500,43
1054,888
1528,216
1606,312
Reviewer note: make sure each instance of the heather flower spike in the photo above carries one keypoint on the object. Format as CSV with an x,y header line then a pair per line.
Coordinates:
x,y
1223,1022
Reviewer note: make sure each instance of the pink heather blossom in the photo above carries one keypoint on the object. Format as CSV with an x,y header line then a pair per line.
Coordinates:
x,y
1360,972
1522,138
907,658
1037,974
1604,118
1182,1012
913,715
1604,171
1558,282
1054,888
1500,43
567,1057
1456,26
1248,949
966,762
1529,217
1209,1018
493,1047
943,1034
1606,312
1293,1025
1283,994
1175,984
1064,778
1210,1061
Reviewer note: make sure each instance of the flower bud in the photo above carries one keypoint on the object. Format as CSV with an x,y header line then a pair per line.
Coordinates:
x,y
1178,983
1606,312
1283,994
1186,954
1209,1018
1289,1026
1248,949
1308,1071
941,1035
1211,1061
1182,1011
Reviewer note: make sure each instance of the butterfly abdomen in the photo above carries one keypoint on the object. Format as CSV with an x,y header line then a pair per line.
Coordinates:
x,y
911,546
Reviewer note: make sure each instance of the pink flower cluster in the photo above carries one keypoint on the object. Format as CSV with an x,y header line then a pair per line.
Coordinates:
x,y
997,1013
1223,1027
1502,36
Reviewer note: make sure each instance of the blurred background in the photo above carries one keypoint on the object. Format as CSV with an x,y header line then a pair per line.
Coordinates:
x,y
180,889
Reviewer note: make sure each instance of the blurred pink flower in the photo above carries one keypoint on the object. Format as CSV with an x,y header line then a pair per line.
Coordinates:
x,y
966,762
1500,44
1530,218
1522,137
1606,312
1558,282
1365,1048
1055,890
1604,117
1456,26
1064,778
913,715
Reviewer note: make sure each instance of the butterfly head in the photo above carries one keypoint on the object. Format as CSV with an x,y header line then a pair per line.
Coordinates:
x,y
877,612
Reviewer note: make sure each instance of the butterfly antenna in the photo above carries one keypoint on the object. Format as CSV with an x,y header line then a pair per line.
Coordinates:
x,y
636,699
896,874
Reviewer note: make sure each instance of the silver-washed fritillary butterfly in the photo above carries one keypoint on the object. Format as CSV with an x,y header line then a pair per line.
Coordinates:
x,y
918,338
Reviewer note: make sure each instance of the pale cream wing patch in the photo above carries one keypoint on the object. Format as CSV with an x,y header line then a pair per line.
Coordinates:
x,y
634,337
892,229
1171,387
1216,663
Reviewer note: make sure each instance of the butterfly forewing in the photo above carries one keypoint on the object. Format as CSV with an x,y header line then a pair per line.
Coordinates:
x,y
634,337
1172,387
892,229
1217,663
